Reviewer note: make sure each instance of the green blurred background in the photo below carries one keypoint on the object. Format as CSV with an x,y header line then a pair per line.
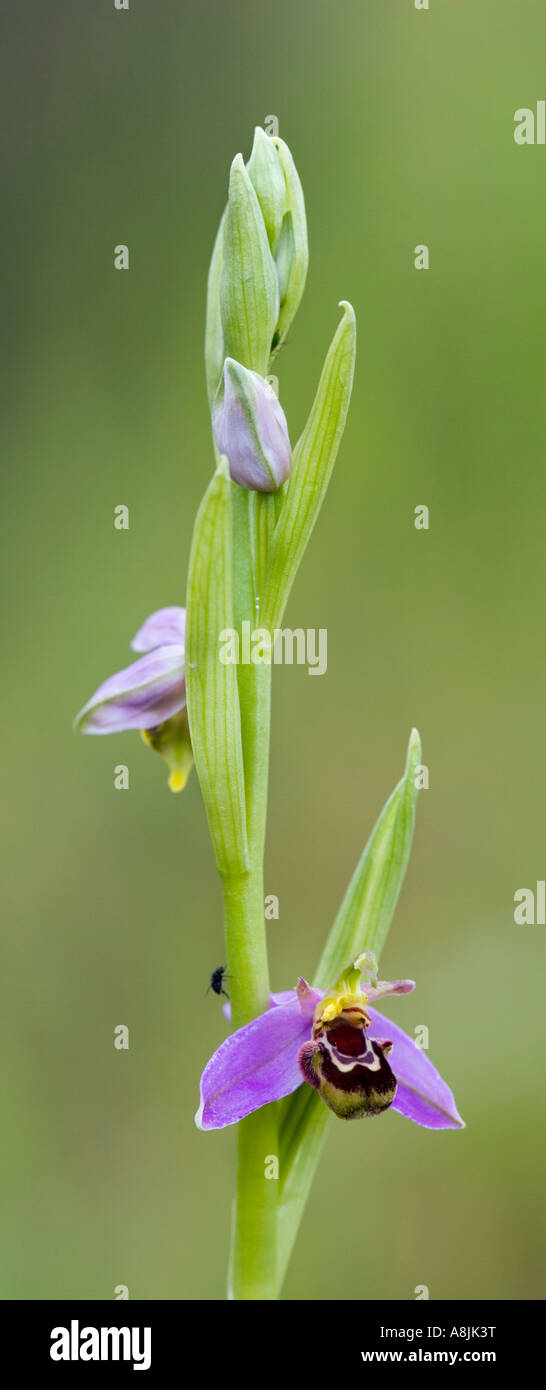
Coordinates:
x,y
120,127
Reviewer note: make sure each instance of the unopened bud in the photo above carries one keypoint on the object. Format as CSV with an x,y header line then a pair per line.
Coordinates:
x,y
250,429
249,290
267,177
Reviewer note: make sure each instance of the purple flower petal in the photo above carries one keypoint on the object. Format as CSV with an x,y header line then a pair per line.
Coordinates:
x,y
422,1095
285,996
384,987
255,1065
166,626
308,999
140,696
258,1064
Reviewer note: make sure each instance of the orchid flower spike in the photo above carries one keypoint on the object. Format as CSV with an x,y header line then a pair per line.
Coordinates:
x,y
150,695
360,1063
250,429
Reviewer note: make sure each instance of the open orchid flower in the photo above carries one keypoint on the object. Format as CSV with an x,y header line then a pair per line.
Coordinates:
x,y
338,1045
150,695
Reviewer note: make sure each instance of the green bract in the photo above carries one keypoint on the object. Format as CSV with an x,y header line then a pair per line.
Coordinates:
x,y
214,333
361,924
212,694
313,460
368,907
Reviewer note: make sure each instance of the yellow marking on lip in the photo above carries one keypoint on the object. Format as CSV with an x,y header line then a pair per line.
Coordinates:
x,y
345,1002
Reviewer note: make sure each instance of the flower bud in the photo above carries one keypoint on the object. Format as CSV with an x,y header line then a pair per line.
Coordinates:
x,y
266,175
280,195
249,290
259,263
292,251
250,429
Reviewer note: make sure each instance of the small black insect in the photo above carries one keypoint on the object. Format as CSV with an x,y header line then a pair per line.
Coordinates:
x,y
217,981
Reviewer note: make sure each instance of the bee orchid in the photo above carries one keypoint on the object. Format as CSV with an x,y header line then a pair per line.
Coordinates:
x,y
360,1063
149,695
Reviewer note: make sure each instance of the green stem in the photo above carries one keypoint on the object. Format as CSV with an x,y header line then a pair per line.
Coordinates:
x,y
253,1262
246,951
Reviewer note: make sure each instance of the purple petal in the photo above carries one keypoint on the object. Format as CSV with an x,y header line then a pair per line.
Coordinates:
x,y
255,1065
308,998
166,626
422,1095
285,996
139,697
384,987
